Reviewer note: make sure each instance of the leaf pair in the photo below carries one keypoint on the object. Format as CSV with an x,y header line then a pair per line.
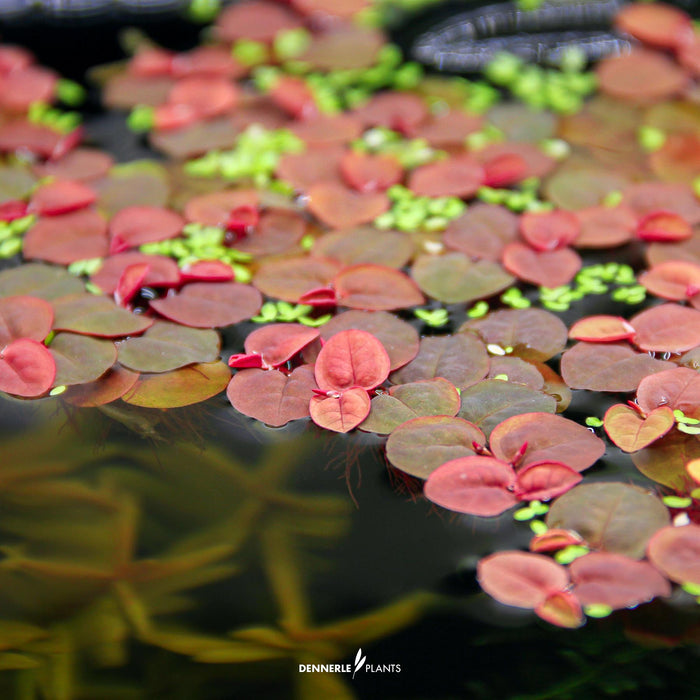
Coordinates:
x,y
349,366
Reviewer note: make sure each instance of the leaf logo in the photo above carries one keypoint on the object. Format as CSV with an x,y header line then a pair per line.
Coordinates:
x,y
359,661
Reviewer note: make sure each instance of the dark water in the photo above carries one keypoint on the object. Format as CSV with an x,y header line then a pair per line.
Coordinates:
x,y
138,549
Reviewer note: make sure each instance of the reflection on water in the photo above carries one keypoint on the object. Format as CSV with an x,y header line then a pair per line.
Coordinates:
x,y
178,555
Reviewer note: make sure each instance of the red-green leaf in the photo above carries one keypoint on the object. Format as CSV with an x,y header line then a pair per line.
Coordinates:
x,y
99,316
632,432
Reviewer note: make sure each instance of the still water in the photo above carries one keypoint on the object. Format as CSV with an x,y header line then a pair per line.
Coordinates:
x,y
194,554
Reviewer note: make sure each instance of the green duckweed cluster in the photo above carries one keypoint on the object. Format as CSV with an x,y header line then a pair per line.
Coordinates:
x,y
410,212
254,158
200,242
11,233
592,280
560,90
433,318
522,198
54,118
411,153
284,312
334,90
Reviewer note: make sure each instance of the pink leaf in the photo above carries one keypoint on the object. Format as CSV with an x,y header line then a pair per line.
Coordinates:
x,y
27,368
340,413
543,481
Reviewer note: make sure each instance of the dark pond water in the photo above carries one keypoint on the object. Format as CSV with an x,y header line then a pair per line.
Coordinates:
x,y
197,555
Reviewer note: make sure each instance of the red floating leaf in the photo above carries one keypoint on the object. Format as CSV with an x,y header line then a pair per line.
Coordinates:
x,y
162,271
675,551
555,539
207,271
561,609
399,339
400,111
134,226
64,239
210,304
60,197
631,432
130,283
214,209
349,359
676,280
40,140
25,86
340,413
545,269
482,231
602,578
278,342
549,438
659,24
343,47
476,485
325,130
272,397
211,61
601,329
291,278
605,227
538,163
339,207
610,367
505,170
521,579
459,176
376,288
27,368
315,166
678,389
206,96
641,76
421,445
366,172
256,20
647,197
549,230
82,164
449,128
543,481
667,328
365,244
109,387
12,209
664,227
24,317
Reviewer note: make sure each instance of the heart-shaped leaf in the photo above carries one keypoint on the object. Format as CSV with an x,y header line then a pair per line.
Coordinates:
x,y
376,288
548,438
461,359
678,389
542,481
454,278
340,207
350,359
631,432
601,329
181,387
99,316
367,172
112,385
665,460
66,238
552,268
60,197
459,176
491,401
399,339
676,280
210,304
534,334
521,579
549,230
602,578
24,317
675,551
667,328
80,359
610,516
562,609
162,271
134,226
167,346
278,342
27,368
421,445
612,367
365,245
271,396
476,485
431,397
340,413
482,231
289,279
